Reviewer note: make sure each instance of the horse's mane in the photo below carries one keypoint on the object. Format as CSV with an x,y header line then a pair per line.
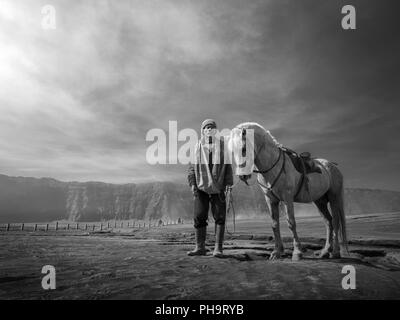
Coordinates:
x,y
267,134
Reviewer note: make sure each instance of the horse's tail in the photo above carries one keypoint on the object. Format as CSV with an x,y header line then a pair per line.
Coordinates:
x,y
337,206
342,219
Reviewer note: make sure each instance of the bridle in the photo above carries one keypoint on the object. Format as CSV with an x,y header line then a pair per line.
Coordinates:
x,y
281,153
228,194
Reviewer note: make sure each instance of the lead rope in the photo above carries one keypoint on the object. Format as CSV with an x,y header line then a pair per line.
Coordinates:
x,y
229,197
229,205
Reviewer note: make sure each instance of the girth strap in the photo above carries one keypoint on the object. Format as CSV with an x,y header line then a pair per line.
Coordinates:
x,y
301,182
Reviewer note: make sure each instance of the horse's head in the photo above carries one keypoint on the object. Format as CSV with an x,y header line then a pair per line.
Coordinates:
x,y
241,144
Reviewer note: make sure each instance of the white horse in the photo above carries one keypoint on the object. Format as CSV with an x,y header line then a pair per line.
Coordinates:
x,y
280,182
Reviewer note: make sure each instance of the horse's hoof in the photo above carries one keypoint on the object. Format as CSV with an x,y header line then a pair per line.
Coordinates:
x,y
275,255
218,254
297,256
334,255
324,254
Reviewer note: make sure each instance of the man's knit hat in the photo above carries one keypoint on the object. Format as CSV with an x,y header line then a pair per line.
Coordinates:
x,y
208,122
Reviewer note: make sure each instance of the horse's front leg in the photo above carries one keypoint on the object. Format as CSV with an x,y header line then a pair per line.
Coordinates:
x,y
278,251
297,253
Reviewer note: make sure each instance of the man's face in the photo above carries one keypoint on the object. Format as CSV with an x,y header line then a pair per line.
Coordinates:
x,y
209,130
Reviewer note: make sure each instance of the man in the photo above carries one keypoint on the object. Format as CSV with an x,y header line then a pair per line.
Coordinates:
x,y
209,177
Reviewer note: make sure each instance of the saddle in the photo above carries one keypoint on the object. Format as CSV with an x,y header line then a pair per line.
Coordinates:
x,y
304,164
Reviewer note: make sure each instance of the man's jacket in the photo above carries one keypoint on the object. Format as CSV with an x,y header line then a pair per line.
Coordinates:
x,y
200,175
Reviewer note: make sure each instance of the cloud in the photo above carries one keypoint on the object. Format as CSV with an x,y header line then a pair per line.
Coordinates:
x,y
76,102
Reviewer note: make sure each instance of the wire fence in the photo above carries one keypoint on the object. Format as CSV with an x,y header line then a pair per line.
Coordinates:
x,y
89,226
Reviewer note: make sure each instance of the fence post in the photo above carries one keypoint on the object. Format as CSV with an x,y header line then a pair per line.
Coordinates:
x,y
77,225
108,224
56,225
22,227
8,227
101,226
93,227
35,227
85,226
68,226
122,224
47,227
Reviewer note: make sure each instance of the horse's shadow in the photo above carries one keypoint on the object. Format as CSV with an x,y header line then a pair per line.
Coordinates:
x,y
312,256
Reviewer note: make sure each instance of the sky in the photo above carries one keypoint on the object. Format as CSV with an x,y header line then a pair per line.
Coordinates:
x,y
77,101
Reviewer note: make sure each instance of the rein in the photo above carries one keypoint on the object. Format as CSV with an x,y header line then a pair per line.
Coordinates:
x,y
229,205
228,193
229,197
269,188
273,166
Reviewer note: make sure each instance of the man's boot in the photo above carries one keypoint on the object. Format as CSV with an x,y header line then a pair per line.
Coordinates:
x,y
200,249
219,240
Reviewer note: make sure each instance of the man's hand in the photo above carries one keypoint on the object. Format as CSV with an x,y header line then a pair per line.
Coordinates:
x,y
194,190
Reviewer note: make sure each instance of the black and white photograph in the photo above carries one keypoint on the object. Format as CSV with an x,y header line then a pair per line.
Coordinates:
x,y
199,150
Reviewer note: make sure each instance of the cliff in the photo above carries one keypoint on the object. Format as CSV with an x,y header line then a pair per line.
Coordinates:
x,y
35,200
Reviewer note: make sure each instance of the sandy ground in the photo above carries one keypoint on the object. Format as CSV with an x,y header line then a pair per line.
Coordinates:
x,y
152,264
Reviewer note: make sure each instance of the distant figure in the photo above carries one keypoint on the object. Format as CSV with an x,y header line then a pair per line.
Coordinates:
x,y
208,182
179,221
160,223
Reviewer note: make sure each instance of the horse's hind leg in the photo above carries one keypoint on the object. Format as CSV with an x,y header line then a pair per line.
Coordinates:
x,y
336,228
335,196
322,205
